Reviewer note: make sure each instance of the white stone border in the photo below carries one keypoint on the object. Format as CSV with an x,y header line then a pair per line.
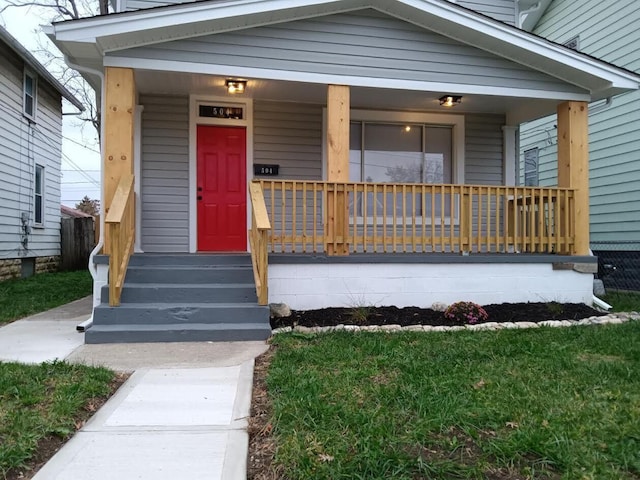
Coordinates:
x,y
613,318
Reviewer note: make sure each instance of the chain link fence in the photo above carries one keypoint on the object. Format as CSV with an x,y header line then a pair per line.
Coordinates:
x,y
618,265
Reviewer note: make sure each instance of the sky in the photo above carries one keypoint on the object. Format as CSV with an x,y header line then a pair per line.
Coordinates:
x,y
80,149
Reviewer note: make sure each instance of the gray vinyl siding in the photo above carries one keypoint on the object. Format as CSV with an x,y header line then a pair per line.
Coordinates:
x,y
22,146
609,33
483,149
290,135
361,44
503,10
165,174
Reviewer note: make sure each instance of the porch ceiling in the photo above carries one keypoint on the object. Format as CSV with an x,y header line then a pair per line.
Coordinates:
x,y
175,83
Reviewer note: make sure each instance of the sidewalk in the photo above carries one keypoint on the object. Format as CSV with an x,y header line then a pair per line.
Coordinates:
x,y
182,413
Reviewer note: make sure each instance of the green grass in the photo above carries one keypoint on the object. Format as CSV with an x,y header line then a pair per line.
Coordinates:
x,y
25,296
623,301
541,403
42,401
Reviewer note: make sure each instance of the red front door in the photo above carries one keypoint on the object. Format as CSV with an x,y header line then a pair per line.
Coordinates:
x,y
222,197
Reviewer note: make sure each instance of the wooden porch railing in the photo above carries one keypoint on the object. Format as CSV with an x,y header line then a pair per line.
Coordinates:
x,y
260,226
119,226
421,218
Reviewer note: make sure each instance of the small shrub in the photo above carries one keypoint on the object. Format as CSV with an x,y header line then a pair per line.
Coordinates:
x,y
465,312
359,314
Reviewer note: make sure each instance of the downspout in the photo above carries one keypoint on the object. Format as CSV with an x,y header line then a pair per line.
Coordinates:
x,y
522,16
600,303
92,268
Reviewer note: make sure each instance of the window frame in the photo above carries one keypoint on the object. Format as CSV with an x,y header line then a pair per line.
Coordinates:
x,y
39,196
34,96
455,121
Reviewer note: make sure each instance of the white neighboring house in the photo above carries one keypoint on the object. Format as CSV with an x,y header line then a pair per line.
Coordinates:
x,y
30,157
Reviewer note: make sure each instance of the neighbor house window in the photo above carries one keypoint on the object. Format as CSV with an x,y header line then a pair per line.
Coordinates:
x,y
30,88
531,167
38,200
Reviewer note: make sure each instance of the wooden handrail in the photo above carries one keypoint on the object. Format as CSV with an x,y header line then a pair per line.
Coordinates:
x,y
119,226
420,218
260,225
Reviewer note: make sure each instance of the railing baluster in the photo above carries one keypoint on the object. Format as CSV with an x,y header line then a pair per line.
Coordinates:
x,y
423,197
394,238
443,226
413,218
404,218
384,218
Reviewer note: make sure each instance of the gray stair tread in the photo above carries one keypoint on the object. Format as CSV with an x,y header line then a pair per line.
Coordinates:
x,y
165,306
190,285
179,326
190,267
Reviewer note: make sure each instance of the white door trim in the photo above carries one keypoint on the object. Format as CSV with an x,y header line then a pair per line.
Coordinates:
x,y
194,121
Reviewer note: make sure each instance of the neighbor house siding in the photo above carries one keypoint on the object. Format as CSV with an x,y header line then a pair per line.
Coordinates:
x,y
24,144
165,174
608,32
503,10
362,44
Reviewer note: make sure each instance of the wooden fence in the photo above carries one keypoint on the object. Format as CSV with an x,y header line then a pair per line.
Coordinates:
x,y
76,242
419,218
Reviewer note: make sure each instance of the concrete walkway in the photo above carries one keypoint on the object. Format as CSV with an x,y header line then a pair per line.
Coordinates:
x,y
182,413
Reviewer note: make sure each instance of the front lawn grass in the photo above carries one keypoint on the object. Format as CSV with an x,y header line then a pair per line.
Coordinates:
x,y
512,404
21,297
43,405
622,301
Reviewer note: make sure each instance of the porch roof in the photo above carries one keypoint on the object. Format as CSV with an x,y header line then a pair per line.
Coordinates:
x,y
86,41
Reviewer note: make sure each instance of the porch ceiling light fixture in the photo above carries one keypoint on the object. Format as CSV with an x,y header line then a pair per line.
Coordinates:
x,y
450,100
235,86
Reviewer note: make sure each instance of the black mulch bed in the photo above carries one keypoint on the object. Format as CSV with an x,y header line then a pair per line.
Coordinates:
x,y
503,312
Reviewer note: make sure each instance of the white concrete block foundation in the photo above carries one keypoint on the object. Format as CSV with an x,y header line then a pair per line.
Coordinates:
x,y
311,286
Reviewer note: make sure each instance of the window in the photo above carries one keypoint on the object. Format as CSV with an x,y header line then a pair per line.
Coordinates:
x,y
38,200
531,167
30,88
401,153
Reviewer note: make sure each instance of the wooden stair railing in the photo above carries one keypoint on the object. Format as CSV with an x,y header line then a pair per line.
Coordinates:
x,y
119,225
260,225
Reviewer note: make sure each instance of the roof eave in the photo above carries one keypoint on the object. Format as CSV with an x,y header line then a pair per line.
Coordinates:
x,y
38,68
465,25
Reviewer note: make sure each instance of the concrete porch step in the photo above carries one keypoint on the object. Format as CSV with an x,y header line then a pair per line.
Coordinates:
x,y
180,313
185,293
189,259
190,274
193,332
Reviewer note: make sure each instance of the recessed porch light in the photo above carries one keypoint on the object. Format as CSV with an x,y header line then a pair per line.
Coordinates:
x,y
235,86
450,100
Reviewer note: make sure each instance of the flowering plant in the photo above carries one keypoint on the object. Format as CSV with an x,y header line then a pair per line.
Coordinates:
x,y
465,312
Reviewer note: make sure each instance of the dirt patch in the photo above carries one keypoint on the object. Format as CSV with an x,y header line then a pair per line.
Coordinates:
x,y
49,446
262,444
500,313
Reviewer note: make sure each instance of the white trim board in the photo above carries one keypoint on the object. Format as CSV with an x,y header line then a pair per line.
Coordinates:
x,y
309,286
194,121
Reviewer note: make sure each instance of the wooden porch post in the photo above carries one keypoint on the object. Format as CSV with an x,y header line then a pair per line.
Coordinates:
x,y
119,113
338,105
573,166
